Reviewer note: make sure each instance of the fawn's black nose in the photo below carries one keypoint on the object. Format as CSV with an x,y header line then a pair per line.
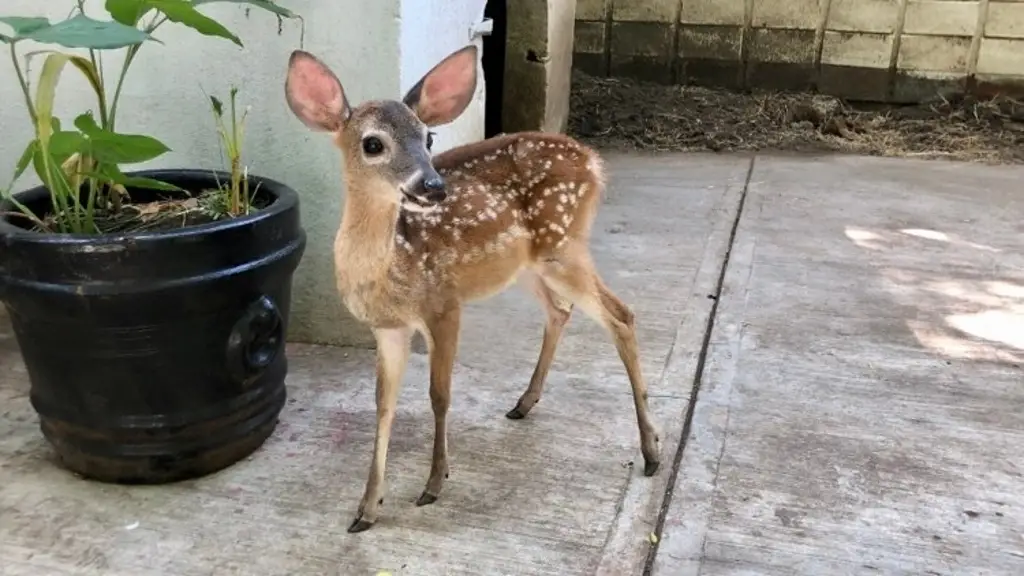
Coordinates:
x,y
434,187
434,183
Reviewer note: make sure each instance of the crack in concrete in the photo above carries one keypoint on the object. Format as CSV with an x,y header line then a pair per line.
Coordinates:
x,y
697,377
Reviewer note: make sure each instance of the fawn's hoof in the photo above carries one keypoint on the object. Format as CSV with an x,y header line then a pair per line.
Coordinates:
x,y
359,525
650,467
425,499
518,413
515,414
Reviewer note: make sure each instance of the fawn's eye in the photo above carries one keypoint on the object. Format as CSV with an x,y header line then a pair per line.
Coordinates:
x,y
372,145
430,140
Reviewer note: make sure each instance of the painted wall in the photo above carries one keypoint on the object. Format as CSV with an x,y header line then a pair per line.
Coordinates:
x,y
900,50
433,29
425,32
378,49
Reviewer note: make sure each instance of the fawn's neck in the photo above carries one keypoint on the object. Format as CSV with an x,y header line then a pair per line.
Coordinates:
x,y
366,239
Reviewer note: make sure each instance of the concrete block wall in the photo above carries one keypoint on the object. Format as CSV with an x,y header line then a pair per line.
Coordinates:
x,y
876,50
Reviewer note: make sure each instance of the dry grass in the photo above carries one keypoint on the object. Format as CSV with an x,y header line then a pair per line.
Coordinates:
x,y
623,114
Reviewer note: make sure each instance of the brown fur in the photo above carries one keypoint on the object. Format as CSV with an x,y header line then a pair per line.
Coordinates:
x,y
518,206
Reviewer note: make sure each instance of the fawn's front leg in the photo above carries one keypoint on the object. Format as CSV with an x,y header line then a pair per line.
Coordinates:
x,y
443,339
392,357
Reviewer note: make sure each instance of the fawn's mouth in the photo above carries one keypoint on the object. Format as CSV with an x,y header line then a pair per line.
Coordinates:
x,y
416,203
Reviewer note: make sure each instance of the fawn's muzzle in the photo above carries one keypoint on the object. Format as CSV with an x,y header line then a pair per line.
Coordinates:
x,y
430,189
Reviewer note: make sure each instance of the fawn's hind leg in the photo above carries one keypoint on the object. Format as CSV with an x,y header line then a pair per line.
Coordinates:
x,y
571,273
558,311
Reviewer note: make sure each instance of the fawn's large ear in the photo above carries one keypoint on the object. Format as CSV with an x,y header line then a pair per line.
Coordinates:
x,y
314,93
444,92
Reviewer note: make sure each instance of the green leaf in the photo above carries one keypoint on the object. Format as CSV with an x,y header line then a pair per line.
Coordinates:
x,y
22,165
264,4
64,144
140,182
127,12
40,168
48,169
218,106
183,12
26,157
87,124
115,148
80,31
22,25
112,173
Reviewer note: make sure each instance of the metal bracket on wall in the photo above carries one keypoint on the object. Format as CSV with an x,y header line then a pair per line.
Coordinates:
x,y
482,28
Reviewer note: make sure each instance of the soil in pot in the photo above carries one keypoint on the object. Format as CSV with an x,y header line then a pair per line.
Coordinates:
x,y
156,355
151,211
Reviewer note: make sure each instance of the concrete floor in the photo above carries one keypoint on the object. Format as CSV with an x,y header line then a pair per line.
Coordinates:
x,y
862,406
859,408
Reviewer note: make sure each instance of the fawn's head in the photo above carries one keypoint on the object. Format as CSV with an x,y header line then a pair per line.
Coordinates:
x,y
385,143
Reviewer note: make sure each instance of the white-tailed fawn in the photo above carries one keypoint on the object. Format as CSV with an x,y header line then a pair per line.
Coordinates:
x,y
421,235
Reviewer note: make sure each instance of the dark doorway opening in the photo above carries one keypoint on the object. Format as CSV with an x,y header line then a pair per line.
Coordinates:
x,y
493,61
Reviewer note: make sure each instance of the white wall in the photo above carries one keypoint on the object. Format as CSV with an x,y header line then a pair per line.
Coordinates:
x,y
431,30
378,48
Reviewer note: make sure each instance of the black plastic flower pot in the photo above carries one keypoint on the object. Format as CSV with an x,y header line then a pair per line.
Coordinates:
x,y
160,356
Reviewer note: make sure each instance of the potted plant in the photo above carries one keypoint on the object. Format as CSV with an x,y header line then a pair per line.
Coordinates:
x,y
150,307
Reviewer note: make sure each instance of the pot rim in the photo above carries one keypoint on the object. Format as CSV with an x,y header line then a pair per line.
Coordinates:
x,y
285,198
